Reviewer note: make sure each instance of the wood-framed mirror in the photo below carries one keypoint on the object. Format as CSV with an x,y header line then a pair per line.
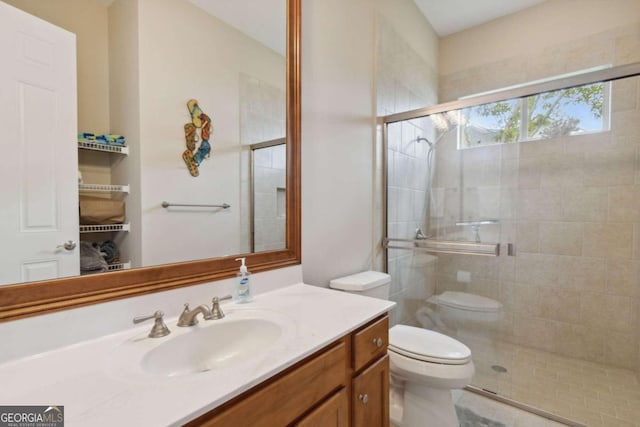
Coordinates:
x,y
35,298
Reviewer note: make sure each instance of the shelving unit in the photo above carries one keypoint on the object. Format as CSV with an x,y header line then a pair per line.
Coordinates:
x,y
103,188
113,190
118,149
104,228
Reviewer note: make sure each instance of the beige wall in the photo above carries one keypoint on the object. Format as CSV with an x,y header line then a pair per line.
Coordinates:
x,y
185,53
569,204
406,79
88,20
554,22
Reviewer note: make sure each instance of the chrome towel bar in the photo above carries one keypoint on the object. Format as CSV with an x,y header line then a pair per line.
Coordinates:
x,y
445,246
185,205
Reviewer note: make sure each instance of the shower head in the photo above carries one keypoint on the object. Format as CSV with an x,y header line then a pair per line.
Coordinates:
x,y
423,139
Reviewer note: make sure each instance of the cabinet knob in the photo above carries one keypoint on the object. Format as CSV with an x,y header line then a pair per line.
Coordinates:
x,y
378,342
364,398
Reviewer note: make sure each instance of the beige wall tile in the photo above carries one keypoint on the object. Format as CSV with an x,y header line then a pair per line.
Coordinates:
x,y
536,269
581,273
624,203
621,350
527,236
529,170
613,167
608,240
540,205
623,277
624,95
561,238
610,313
562,171
585,204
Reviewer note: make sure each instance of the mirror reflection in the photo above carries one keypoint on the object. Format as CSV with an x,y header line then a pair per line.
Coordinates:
x,y
139,64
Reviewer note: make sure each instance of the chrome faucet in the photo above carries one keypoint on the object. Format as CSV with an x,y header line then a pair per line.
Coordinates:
x,y
188,317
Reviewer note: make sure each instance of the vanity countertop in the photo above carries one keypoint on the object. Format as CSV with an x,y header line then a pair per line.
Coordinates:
x,y
83,377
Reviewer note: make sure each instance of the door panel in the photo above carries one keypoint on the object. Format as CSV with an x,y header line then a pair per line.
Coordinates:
x,y
38,169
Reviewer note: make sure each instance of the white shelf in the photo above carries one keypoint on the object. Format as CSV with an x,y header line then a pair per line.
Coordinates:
x,y
103,188
119,266
103,228
118,149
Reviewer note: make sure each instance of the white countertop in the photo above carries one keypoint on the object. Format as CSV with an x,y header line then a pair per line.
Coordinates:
x,y
84,379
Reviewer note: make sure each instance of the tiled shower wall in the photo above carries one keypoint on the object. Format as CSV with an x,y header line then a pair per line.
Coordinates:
x,y
262,118
405,81
571,205
269,201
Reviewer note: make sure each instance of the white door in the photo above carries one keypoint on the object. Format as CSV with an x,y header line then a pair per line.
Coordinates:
x,y
39,157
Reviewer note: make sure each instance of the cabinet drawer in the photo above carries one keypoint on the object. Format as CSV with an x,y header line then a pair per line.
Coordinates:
x,y
370,343
286,398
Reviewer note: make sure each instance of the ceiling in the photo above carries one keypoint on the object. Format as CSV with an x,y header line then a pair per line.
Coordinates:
x,y
450,16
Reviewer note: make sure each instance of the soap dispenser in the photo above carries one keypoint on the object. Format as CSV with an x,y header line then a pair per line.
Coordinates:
x,y
243,289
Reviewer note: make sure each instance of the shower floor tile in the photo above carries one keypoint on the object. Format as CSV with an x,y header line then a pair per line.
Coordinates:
x,y
591,393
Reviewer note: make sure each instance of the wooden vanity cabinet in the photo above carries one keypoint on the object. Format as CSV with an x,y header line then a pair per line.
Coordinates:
x,y
344,384
370,384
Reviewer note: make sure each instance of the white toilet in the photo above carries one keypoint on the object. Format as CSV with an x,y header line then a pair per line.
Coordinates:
x,y
425,365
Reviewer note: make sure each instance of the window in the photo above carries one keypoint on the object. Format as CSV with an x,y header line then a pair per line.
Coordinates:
x,y
574,111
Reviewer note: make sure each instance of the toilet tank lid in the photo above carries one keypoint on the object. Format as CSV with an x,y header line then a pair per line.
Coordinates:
x,y
361,281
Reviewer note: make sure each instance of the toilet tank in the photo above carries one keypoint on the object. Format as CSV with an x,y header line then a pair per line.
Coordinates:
x,y
368,283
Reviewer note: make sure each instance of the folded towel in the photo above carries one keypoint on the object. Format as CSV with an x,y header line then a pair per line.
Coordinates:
x,y
91,259
112,139
86,137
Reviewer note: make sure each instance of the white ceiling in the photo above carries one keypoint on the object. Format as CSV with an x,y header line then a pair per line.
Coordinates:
x,y
450,16
262,20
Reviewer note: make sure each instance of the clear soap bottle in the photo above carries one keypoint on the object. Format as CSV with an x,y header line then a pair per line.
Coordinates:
x,y
243,288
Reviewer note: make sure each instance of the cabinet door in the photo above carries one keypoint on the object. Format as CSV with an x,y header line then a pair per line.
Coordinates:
x,y
332,413
370,398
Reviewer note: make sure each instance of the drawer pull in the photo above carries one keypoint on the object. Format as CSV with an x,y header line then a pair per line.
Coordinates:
x,y
364,398
378,342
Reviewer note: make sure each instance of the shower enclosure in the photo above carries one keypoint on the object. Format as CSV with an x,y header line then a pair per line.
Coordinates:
x,y
513,225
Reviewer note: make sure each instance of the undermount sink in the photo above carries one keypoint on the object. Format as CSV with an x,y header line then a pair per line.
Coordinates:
x,y
211,346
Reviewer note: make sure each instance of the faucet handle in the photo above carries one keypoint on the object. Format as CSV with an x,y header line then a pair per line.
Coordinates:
x,y
182,320
216,311
159,328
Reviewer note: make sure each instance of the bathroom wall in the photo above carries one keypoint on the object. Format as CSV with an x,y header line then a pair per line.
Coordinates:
x,y
208,70
406,79
338,138
569,204
262,118
343,86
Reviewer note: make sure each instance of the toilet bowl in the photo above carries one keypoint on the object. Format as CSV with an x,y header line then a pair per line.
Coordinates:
x,y
462,306
464,316
425,365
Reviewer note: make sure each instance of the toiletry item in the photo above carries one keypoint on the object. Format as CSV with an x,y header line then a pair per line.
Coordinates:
x,y
243,289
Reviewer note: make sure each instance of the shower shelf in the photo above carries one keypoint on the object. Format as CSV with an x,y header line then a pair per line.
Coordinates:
x,y
444,246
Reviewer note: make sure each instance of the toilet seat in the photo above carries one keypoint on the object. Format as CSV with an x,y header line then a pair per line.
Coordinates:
x,y
427,346
468,302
